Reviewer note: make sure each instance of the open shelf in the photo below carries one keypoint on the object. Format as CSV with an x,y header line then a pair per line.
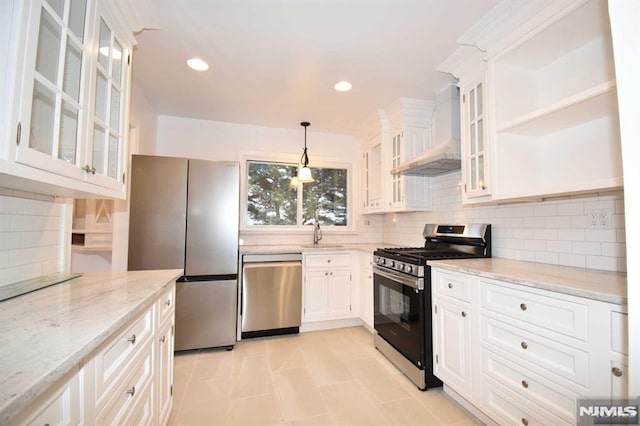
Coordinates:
x,y
589,105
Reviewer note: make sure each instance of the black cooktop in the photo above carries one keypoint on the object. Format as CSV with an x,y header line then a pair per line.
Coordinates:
x,y
420,254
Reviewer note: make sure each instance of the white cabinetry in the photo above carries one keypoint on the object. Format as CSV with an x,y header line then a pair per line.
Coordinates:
x,y
410,135
69,62
60,405
366,289
92,226
371,180
453,319
128,379
164,350
549,119
556,114
327,286
475,143
536,352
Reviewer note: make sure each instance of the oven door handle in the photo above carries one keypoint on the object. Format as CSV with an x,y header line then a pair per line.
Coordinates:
x,y
417,283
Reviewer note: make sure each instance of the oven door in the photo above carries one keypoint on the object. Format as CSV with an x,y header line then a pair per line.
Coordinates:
x,y
399,316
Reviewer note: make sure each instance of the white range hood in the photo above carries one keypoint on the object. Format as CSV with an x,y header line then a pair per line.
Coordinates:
x,y
444,155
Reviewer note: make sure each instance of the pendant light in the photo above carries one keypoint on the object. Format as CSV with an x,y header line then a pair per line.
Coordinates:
x,y
304,172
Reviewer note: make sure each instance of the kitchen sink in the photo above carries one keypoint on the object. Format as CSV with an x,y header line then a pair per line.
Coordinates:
x,y
321,246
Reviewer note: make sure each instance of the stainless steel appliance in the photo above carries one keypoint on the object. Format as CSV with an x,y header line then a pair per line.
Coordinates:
x,y
271,294
402,295
185,214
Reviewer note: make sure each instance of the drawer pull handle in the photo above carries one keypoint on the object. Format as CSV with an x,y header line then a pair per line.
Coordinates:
x,y
450,285
131,391
464,314
326,273
162,339
616,372
524,345
525,422
168,302
132,339
525,384
328,260
523,307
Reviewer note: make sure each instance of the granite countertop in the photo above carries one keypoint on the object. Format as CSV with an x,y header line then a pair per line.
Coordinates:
x,y
46,333
589,283
296,248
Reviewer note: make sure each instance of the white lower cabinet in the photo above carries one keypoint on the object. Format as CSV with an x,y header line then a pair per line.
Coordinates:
x,y
60,405
128,379
452,338
327,286
366,289
522,355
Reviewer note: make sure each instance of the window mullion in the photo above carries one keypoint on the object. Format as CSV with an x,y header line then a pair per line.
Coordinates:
x,y
300,205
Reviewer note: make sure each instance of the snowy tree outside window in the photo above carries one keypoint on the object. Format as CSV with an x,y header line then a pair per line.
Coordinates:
x,y
272,202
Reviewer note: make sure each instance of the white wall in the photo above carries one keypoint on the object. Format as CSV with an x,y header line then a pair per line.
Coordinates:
x,y
33,240
555,232
625,29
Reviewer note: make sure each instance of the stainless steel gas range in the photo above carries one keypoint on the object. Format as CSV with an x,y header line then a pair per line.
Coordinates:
x,y
402,295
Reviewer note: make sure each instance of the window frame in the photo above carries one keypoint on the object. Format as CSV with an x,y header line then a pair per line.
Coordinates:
x,y
294,160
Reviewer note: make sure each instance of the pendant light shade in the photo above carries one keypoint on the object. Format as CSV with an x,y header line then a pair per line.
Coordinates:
x,y
304,172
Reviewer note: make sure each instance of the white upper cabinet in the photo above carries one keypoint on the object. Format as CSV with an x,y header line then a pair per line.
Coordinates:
x,y
555,105
475,146
409,136
549,119
68,84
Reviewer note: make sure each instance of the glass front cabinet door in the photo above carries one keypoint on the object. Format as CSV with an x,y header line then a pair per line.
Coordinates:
x,y
474,141
73,80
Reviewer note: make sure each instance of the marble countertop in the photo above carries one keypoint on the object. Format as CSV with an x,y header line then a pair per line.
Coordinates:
x,y
589,283
295,248
46,333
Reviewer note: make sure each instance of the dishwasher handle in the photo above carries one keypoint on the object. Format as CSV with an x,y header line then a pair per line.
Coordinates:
x,y
275,257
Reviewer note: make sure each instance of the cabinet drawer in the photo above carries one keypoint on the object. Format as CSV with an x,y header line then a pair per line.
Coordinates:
x,y
166,304
619,333
549,356
557,400
125,397
120,351
453,285
507,408
327,260
554,314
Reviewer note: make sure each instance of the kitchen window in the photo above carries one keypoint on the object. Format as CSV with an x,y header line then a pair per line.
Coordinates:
x,y
272,202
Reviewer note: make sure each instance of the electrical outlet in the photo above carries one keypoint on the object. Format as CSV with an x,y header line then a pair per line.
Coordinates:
x,y
599,218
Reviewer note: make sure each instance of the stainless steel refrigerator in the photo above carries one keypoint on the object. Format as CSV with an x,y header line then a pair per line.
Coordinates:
x,y
185,214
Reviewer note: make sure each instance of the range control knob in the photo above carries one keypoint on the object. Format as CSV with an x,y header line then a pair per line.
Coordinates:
x,y
409,269
401,267
393,263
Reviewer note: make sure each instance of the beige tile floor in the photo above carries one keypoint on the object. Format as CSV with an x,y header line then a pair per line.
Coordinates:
x,y
333,377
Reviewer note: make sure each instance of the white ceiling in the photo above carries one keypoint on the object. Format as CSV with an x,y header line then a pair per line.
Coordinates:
x,y
274,62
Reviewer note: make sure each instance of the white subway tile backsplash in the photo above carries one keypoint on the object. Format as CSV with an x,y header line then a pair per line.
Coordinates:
x,y
587,248
31,231
554,231
602,262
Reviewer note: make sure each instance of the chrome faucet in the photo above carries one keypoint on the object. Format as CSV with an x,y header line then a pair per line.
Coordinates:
x,y
317,232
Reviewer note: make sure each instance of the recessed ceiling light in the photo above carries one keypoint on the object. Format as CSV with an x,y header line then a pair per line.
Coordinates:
x,y
198,64
343,86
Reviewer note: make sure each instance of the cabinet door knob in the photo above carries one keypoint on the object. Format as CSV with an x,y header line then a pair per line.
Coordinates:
x,y
464,314
162,339
525,422
523,307
450,285
326,273
132,339
328,260
616,372
524,345
131,391
525,384
168,302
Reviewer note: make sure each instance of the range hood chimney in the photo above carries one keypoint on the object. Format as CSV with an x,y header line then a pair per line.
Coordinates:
x,y
444,155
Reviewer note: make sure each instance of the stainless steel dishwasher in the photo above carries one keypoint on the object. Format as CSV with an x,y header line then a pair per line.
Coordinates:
x,y
271,294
